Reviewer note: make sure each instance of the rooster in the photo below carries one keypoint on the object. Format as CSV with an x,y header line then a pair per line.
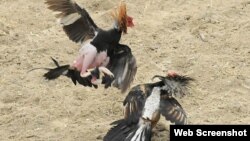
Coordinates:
x,y
99,48
145,103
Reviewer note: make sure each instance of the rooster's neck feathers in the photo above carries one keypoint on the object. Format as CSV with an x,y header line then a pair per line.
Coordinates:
x,y
120,17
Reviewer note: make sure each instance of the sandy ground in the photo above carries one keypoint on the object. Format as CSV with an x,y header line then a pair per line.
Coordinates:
x,y
207,40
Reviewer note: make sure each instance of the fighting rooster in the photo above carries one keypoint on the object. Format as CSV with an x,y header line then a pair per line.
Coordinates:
x,y
99,48
145,103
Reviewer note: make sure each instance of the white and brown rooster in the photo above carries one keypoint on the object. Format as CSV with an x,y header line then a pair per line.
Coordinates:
x,y
144,105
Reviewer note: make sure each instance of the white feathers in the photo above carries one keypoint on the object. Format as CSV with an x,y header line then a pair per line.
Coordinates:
x,y
152,104
96,33
138,134
141,133
124,73
116,24
69,19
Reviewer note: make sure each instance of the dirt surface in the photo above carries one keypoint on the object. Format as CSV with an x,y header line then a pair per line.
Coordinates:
x,y
207,40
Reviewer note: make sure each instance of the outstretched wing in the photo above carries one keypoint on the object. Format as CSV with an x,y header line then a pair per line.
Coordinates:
x,y
133,104
171,109
76,21
176,85
123,65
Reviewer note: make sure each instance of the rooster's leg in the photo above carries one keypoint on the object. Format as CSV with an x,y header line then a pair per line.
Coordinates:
x,y
106,71
77,64
86,58
100,62
89,57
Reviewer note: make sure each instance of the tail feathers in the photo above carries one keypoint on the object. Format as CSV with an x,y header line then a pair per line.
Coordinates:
x,y
56,72
142,133
124,132
70,73
120,131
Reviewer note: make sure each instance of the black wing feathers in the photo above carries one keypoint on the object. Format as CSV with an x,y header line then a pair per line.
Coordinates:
x,y
134,103
77,23
172,110
65,7
85,15
176,85
123,66
77,31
